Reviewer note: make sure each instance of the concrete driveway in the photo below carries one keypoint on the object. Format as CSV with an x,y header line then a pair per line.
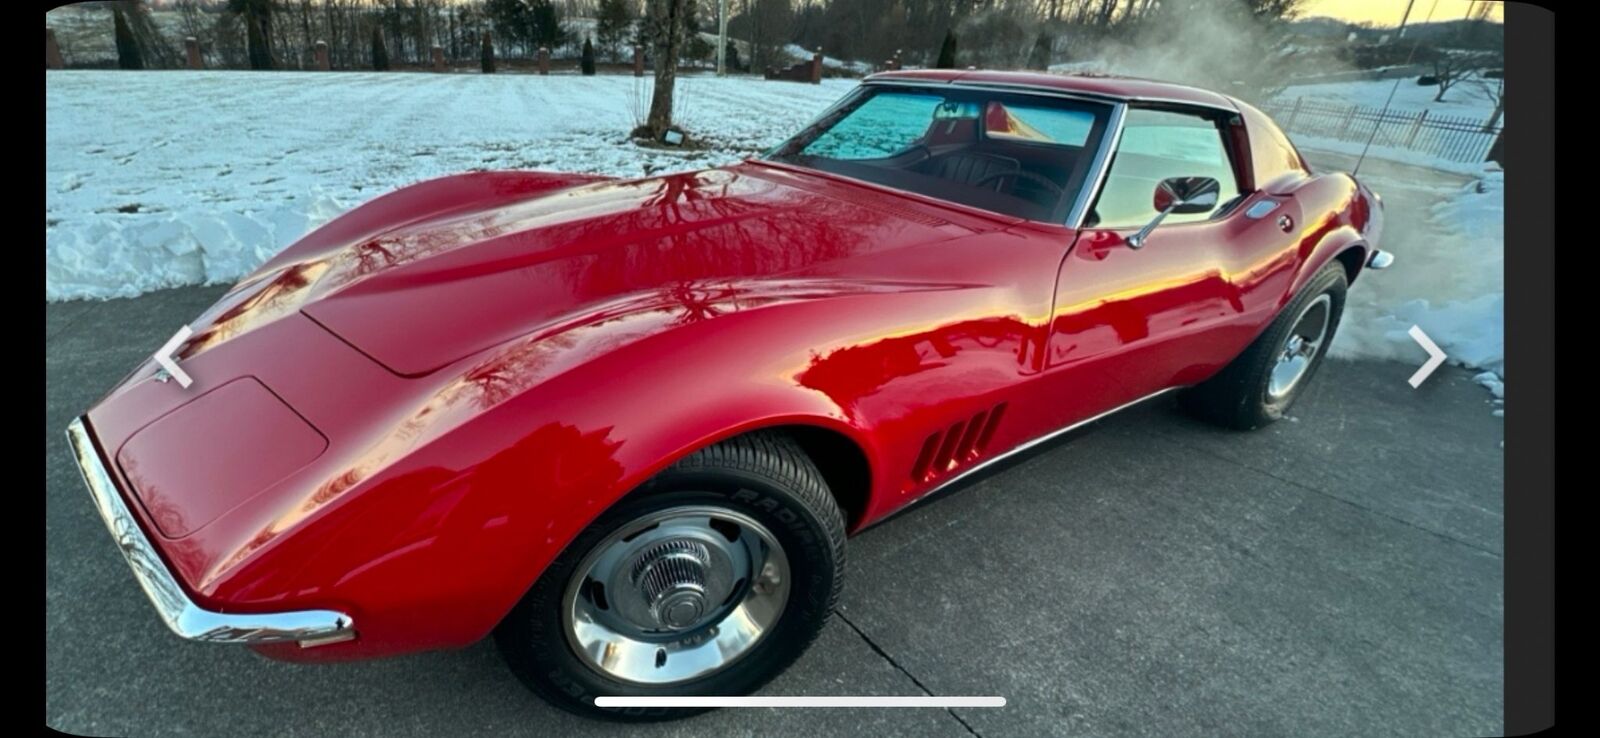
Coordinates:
x,y
1339,573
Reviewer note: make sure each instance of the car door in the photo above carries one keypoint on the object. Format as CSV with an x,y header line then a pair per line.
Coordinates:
x,y
1131,322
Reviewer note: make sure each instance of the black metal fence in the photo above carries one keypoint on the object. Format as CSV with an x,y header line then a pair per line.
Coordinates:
x,y
1446,137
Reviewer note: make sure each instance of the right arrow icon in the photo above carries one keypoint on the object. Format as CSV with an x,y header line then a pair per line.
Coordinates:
x,y
1435,357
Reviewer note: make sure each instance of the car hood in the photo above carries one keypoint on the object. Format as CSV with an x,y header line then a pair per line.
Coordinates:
x,y
423,294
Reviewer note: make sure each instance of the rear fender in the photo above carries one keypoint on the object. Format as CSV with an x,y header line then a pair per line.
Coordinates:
x,y
1343,243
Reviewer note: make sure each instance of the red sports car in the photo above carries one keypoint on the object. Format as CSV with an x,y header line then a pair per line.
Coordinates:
x,y
626,425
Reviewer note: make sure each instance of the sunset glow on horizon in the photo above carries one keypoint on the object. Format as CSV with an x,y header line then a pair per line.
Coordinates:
x,y
1389,12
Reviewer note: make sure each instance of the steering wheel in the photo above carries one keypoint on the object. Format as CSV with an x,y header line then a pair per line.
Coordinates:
x,y
1055,189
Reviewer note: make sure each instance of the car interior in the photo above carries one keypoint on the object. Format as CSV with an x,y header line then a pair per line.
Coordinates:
x,y
977,152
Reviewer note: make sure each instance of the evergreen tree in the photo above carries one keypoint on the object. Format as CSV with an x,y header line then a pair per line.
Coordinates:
x,y
380,52
512,20
488,53
587,62
547,28
614,19
128,56
947,52
695,47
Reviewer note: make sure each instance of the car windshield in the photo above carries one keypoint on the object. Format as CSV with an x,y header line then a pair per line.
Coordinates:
x,y
1014,154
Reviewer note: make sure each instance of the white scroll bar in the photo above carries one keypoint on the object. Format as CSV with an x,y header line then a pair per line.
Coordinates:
x,y
835,701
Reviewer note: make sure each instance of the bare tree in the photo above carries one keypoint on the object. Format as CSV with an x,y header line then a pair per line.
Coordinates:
x,y
128,53
157,52
257,16
191,21
1451,68
1493,87
663,26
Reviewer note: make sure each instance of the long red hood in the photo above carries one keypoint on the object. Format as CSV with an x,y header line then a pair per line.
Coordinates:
x,y
436,279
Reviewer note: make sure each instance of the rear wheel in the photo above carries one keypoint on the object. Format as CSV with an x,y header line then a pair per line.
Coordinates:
x,y
1260,385
709,580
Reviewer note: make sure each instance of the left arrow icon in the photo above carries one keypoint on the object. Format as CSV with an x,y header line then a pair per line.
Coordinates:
x,y
168,364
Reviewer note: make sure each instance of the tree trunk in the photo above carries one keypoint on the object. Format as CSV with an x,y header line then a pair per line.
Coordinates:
x,y
258,37
669,15
380,51
154,51
128,56
1494,118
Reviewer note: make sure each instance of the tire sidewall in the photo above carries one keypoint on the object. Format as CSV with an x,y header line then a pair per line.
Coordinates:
x,y
533,637
1329,281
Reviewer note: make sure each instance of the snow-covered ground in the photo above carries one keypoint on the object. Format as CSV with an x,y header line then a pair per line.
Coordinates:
x,y
1447,232
1466,99
1448,237
161,179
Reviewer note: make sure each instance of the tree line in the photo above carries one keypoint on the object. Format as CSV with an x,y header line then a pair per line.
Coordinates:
x,y
1241,45
282,33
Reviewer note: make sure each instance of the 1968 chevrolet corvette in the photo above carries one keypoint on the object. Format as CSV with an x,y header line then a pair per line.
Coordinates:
x,y
625,425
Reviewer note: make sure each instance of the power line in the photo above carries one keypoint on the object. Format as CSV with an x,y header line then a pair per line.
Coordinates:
x,y
1378,124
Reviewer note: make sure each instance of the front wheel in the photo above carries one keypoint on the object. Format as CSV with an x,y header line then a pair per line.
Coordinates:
x,y
1259,385
708,581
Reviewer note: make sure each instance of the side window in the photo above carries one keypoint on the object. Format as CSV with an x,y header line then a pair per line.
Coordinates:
x,y
1157,144
883,126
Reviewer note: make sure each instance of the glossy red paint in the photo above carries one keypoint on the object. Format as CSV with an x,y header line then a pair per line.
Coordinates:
x,y
481,364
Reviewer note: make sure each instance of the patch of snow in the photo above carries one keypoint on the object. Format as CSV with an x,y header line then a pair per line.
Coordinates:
x,y
163,179
1448,278
801,53
1397,154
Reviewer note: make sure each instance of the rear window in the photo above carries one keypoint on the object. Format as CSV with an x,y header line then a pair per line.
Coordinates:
x,y
1037,124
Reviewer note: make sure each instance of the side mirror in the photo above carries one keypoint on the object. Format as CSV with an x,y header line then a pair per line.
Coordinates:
x,y
1182,195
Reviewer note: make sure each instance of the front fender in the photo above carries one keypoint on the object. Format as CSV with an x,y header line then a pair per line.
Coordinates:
x,y
519,450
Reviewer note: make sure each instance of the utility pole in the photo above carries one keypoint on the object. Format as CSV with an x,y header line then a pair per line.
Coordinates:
x,y
1403,18
722,38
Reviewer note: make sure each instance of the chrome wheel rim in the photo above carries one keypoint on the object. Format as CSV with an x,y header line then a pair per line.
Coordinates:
x,y
1300,349
676,595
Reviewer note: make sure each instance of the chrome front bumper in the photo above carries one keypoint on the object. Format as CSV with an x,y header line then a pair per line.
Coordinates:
x,y
182,615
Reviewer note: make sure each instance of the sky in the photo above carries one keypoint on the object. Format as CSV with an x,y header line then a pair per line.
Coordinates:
x,y
1388,12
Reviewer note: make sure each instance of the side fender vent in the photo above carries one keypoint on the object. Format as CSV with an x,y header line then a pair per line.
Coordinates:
x,y
955,447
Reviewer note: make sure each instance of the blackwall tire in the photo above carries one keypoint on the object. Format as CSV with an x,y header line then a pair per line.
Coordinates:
x,y
1260,385
655,578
